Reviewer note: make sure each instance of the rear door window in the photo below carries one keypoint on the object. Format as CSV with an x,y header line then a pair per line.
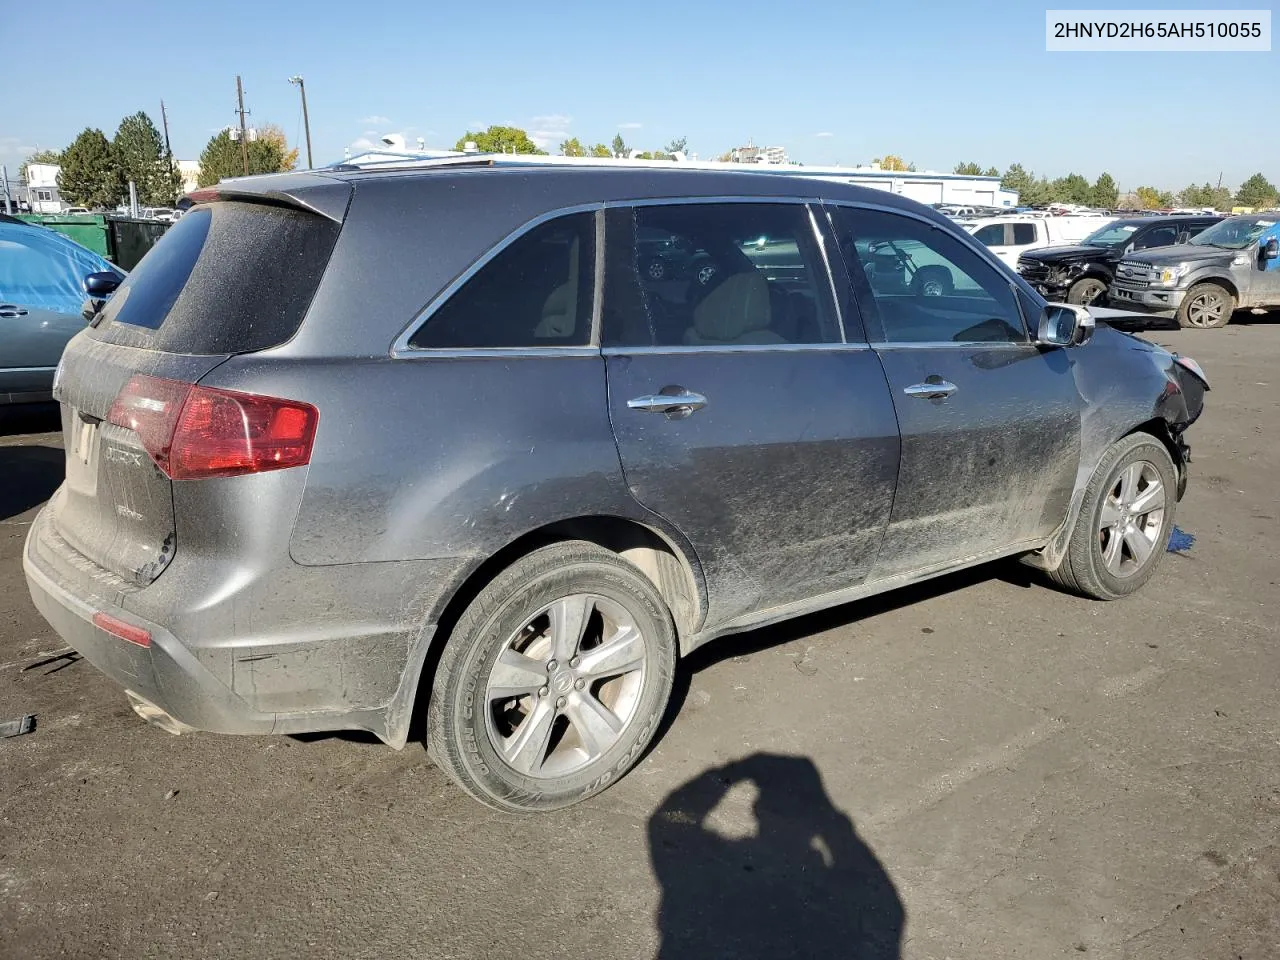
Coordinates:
x,y
228,277
992,235
535,292
1024,234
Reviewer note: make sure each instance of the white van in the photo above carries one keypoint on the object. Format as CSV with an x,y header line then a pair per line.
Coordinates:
x,y
1013,235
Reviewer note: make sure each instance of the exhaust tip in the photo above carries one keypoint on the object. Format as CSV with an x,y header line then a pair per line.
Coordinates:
x,y
154,715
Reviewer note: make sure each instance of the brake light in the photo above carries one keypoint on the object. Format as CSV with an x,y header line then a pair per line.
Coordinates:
x,y
125,631
194,432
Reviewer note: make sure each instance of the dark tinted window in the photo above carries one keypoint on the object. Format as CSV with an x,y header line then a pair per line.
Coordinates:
x,y
226,278
715,274
927,285
1024,233
1157,237
992,235
536,292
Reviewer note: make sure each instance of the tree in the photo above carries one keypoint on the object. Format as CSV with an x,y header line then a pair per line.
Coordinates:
x,y
991,172
1150,198
1104,193
619,146
600,150
677,145
222,158
969,169
499,139
893,162
1072,188
572,148
1256,192
1219,198
140,154
272,133
1018,180
1193,196
90,177
40,156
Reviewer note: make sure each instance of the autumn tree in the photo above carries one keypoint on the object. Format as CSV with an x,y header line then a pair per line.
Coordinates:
x,y
600,150
572,148
1256,192
90,176
273,133
499,139
1151,198
893,162
222,158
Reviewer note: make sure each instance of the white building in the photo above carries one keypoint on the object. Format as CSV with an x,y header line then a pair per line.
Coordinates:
x,y
42,188
189,170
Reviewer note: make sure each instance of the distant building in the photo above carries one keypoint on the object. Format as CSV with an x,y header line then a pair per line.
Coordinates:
x,y
753,154
189,170
42,188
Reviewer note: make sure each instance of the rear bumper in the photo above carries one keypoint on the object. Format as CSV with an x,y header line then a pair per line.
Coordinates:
x,y
225,658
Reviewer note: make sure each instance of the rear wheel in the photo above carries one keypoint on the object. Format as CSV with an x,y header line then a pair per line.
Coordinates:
x,y
1087,291
553,681
1125,520
1206,305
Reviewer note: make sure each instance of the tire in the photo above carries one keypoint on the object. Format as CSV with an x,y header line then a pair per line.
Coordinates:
x,y
1086,291
520,747
1206,306
1084,567
656,270
933,282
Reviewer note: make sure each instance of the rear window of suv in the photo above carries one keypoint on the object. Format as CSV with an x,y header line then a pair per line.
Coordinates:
x,y
229,277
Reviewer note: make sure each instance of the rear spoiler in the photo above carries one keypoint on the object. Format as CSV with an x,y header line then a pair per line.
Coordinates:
x,y
326,196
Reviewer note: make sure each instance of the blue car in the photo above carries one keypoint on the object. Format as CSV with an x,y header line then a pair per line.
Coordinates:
x,y
44,280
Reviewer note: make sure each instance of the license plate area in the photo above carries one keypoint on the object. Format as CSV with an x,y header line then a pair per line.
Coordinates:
x,y
82,454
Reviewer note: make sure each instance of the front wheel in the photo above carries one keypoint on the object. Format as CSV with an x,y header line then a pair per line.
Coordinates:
x,y
1125,521
553,681
1207,306
1087,291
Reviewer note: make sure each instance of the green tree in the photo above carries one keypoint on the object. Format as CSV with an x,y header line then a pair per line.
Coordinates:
x,y
1193,196
1104,193
1219,198
1018,180
1151,198
600,150
140,154
991,172
90,176
969,169
41,156
677,145
619,146
1256,192
572,148
892,161
222,158
1072,188
499,139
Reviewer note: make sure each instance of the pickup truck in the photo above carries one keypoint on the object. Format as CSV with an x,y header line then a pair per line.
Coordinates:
x,y
1009,236
1081,274
1233,265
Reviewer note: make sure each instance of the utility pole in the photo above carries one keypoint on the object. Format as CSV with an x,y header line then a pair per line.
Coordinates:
x,y
244,132
306,122
168,150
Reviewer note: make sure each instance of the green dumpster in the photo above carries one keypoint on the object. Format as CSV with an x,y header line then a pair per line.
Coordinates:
x,y
122,240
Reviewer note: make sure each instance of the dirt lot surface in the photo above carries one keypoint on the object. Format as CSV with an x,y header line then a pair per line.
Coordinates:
x,y
983,768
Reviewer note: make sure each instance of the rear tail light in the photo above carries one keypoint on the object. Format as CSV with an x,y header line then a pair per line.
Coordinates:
x,y
194,432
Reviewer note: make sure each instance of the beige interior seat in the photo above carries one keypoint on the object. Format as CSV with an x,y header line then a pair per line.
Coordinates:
x,y
735,312
560,309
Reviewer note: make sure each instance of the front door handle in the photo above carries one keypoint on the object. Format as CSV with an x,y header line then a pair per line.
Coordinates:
x,y
935,388
675,402
9,311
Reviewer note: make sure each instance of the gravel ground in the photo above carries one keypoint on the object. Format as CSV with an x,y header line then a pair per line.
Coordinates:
x,y
981,767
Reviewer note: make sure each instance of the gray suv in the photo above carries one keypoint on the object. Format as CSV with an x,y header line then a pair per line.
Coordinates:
x,y
359,446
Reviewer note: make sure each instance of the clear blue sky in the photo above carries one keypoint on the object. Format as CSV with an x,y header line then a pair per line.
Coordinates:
x,y
935,82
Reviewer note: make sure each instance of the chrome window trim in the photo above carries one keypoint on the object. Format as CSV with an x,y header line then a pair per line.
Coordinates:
x,y
881,345
739,348
495,353
401,348
27,369
728,198
966,239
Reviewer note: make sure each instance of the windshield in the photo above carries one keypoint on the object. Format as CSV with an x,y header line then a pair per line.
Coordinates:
x,y
1112,235
1234,234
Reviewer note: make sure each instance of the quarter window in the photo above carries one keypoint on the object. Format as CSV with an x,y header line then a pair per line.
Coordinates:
x,y
715,274
536,292
927,285
1024,234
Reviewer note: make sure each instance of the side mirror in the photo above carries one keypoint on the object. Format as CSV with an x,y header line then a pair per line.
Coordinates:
x,y
1271,249
100,285
1065,325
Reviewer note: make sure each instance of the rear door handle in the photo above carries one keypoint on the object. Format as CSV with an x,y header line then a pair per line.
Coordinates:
x,y
931,389
675,402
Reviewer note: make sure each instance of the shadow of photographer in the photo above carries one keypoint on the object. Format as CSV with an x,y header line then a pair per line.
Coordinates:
x,y
801,884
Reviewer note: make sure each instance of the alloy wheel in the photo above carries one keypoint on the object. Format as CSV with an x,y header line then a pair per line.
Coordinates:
x,y
1131,519
1205,310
